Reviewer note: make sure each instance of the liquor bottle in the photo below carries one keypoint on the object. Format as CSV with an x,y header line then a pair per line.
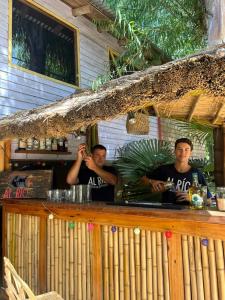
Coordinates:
x,y
48,144
36,144
42,144
30,144
60,144
54,145
195,193
22,144
65,145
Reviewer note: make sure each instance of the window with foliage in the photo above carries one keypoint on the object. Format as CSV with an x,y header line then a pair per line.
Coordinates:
x,y
42,44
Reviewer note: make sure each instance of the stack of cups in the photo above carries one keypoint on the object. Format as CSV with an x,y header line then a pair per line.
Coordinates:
x,y
81,193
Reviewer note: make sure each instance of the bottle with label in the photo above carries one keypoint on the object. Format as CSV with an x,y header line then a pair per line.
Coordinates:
x,y
42,144
60,145
48,144
54,145
30,144
36,144
22,144
195,193
65,145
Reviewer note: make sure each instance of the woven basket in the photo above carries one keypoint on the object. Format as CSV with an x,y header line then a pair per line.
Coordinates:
x,y
141,126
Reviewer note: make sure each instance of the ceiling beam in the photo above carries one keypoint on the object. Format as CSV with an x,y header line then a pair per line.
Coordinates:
x,y
156,110
82,10
194,105
221,107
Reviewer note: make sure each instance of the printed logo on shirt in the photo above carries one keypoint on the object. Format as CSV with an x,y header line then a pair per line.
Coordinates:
x,y
97,182
181,185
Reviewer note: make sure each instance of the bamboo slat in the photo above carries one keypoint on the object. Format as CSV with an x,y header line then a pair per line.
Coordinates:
x,y
71,263
67,282
187,279
212,271
56,260
52,257
198,265
116,265
206,278
76,261
149,266
106,262
143,266
220,262
126,265
192,268
88,267
159,265
30,252
84,262
79,263
60,257
166,269
137,265
111,277
132,265
154,267
64,255
121,264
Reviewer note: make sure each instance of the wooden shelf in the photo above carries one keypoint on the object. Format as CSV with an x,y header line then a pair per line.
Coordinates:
x,y
42,152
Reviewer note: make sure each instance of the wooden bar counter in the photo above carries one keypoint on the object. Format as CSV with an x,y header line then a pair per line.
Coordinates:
x,y
97,251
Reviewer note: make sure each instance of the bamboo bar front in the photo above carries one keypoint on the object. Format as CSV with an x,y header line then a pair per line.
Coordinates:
x,y
101,252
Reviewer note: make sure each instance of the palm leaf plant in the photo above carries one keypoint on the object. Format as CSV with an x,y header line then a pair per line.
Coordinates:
x,y
136,159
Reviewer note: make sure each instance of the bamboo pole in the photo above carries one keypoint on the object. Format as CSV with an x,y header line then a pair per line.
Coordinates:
x,y
79,262
88,267
143,266
132,265
206,278
198,264
60,257
56,259
154,267
166,269
64,257
212,270
111,277
159,265
137,266
67,283
21,247
76,261
33,254
84,262
126,265
192,268
187,279
116,265
91,260
106,262
48,256
37,226
52,287
149,266
71,263
30,252
220,262
121,263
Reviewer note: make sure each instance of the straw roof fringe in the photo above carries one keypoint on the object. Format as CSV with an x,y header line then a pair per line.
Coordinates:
x,y
192,88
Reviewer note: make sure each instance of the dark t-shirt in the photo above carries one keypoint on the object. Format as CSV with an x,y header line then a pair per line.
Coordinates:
x,y
100,190
182,181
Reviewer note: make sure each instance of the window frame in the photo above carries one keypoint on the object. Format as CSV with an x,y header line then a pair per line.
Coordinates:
x,y
58,19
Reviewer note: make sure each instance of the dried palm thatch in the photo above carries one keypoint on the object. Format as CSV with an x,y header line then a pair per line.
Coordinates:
x,y
189,89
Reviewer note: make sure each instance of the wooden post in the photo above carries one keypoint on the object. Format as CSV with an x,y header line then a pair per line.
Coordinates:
x,y
2,156
7,155
219,155
175,267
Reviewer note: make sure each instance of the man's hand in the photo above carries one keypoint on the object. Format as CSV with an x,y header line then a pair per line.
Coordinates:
x,y
90,163
182,196
81,151
157,185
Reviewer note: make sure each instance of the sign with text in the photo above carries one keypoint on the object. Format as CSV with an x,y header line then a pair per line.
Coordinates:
x,y
25,184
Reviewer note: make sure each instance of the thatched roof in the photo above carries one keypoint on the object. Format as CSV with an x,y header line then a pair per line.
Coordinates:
x,y
190,89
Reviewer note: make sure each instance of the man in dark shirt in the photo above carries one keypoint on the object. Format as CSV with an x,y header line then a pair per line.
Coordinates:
x,y
180,173
93,172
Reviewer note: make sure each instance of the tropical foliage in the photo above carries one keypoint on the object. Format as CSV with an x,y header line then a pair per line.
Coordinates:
x,y
140,157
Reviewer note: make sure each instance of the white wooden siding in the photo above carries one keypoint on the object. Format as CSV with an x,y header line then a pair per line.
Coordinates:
x,y
113,134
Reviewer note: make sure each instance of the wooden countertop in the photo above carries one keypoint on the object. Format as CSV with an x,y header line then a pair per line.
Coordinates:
x,y
185,221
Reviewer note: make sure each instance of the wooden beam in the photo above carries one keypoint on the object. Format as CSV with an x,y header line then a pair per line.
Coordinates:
x,y
2,156
194,105
221,107
156,111
7,155
82,10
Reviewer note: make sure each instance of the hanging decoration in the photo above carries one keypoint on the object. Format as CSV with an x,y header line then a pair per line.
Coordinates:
x,y
113,229
137,230
90,226
168,234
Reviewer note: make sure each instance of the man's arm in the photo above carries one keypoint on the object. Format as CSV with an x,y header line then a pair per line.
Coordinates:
x,y
106,176
156,185
72,177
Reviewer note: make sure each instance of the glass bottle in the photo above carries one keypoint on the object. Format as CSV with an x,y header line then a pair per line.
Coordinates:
x,y
22,144
48,144
30,144
42,144
54,145
65,145
60,144
195,193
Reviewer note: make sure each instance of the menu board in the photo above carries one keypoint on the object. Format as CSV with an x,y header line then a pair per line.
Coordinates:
x,y
25,184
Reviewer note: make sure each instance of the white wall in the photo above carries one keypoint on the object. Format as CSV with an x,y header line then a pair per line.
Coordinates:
x,y
22,90
113,134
